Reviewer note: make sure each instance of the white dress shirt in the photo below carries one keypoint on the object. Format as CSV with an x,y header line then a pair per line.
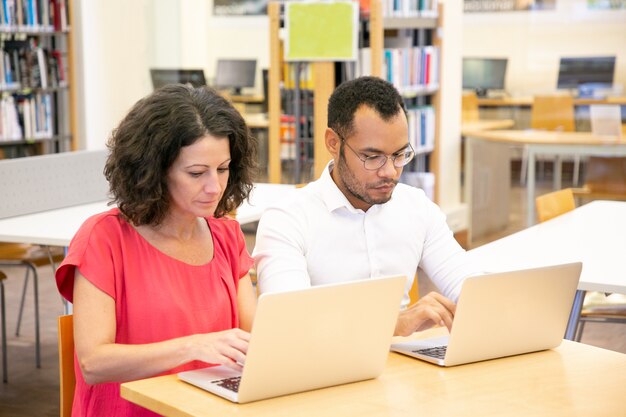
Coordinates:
x,y
317,237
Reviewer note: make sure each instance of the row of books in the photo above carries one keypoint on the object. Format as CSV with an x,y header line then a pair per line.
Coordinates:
x,y
25,65
306,76
421,122
26,117
34,15
411,70
402,8
410,8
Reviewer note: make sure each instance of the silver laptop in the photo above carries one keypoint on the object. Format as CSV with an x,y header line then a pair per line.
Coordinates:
x,y
503,314
312,338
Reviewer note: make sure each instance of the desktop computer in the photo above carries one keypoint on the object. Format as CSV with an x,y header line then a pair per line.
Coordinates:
x,y
235,74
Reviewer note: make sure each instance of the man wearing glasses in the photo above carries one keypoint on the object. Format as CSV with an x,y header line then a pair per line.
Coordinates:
x,y
356,221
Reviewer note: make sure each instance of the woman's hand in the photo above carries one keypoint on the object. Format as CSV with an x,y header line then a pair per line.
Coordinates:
x,y
228,347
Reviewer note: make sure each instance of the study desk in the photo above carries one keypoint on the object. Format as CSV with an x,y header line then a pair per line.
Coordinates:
x,y
528,101
256,120
571,380
485,124
594,233
57,227
488,161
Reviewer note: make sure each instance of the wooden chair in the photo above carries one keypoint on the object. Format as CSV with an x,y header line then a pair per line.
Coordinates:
x,y
605,178
67,378
469,107
597,306
554,204
3,330
552,113
30,257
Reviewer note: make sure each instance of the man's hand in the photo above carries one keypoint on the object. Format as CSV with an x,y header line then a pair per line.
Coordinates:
x,y
431,310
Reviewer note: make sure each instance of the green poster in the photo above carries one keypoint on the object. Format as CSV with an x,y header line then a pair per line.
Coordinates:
x,y
321,31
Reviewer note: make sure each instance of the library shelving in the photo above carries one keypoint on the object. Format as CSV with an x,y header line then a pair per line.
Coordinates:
x,y
35,77
401,46
405,49
323,75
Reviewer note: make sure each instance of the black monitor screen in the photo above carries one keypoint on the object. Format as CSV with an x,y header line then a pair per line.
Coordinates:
x,y
161,77
574,72
481,74
235,74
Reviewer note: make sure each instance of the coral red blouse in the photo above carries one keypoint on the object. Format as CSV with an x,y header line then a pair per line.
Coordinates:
x,y
156,297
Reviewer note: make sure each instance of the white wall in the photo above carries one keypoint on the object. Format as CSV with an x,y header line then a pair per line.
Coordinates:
x,y
115,50
112,53
534,41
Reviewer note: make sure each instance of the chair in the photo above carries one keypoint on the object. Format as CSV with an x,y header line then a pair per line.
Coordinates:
x,y
554,204
469,107
3,329
552,113
414,293
597,306
30,257
605,178
67,378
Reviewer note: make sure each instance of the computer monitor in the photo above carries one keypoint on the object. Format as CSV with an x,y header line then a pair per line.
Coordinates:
x,y
586,73
235,74
483,74
161,77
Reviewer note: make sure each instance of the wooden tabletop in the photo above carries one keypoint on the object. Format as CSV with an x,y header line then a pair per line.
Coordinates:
x,y
485,124
528,101
547,137
573,379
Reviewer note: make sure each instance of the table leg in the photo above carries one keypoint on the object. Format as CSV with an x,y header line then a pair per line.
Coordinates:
x,y
574,315
530,188
558,170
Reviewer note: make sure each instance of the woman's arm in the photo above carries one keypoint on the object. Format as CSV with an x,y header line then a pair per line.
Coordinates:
x,y
103,360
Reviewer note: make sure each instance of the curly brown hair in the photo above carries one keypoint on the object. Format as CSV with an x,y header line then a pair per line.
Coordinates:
x,y
149,139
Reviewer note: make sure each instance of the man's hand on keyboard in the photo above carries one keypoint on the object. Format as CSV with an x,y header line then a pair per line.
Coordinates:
x,y
431,310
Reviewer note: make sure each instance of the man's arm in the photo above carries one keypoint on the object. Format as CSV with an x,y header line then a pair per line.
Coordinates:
x,y
279,251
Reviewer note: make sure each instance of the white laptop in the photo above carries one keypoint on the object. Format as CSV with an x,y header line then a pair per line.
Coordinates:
x,y
312,338
503,314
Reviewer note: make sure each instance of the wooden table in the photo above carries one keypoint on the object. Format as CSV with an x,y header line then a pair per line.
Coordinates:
x,y
572,380
57,227
487,166
485,124
528,101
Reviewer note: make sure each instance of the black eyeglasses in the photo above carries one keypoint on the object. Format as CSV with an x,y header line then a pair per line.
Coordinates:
x,y
376,162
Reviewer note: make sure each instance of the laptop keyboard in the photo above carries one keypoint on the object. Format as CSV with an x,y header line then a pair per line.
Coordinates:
x,y
438,352
231,384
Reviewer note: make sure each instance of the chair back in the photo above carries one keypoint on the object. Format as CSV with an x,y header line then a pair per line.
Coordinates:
x,y
554,204
66,363
469,107
606,176
553,113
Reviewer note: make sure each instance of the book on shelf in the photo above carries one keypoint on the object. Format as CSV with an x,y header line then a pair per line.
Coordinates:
x,y
412,70
421,121
33,15
409,8
29,66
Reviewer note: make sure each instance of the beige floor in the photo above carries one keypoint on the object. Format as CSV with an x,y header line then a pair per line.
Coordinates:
x,y
34,392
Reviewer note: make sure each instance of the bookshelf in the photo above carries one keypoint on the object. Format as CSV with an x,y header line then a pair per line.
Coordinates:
x,y
405,49
323,75
35,77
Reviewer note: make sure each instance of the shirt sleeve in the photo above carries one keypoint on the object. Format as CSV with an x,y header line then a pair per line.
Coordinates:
x,y
445,262
279,253
91,252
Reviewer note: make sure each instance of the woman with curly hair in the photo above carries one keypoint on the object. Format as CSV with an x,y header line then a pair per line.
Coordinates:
x,y
160,283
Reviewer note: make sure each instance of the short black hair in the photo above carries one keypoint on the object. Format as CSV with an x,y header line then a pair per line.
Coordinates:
x,y
150,137
373,92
